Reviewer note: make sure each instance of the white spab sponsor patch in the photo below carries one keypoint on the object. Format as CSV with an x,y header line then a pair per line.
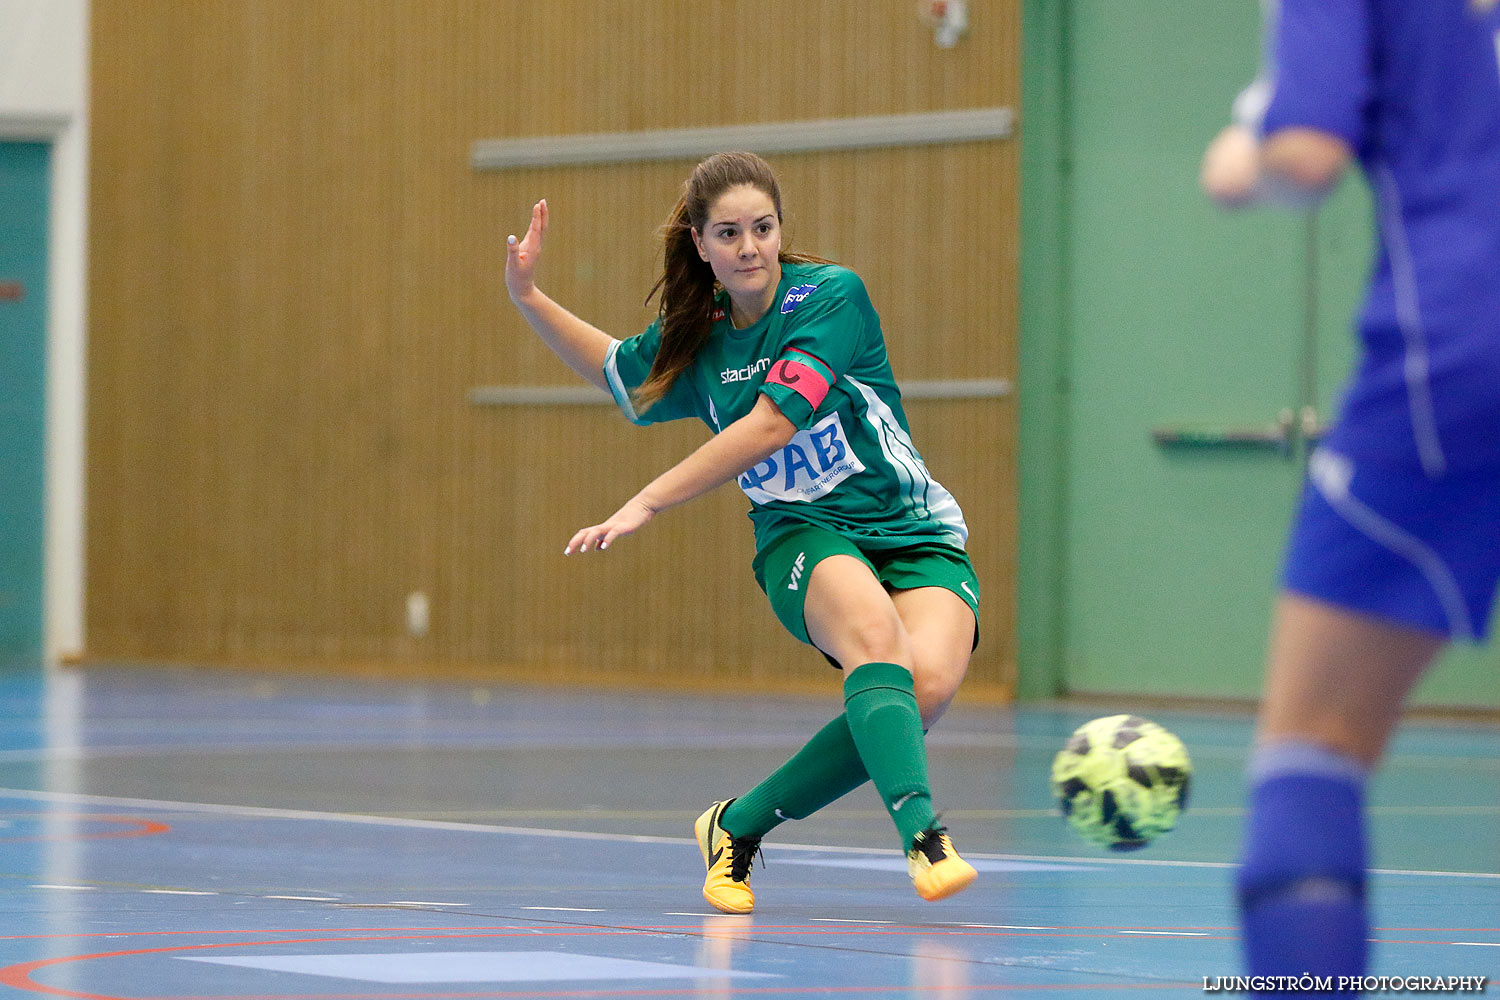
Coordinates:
x,y
811,465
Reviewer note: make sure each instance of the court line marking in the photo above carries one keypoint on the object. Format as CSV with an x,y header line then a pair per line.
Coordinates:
x,y
848,920
745,931
137,826
19,975
1169,933
566,909
267,812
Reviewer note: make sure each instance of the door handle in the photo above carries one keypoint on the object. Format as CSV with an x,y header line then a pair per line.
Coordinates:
x,y
1277,436
1313,427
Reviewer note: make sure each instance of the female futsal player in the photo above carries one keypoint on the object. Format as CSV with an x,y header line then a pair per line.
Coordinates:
x,y
1396,547
860,551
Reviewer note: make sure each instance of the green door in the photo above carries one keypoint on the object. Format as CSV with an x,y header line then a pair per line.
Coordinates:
x,y
23,348
1200,345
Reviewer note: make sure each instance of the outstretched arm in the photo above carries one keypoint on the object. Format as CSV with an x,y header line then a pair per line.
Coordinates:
x,y
745,443
1293,166
581,345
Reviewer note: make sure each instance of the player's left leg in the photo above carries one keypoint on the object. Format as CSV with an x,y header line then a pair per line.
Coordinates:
x,y
850,614
1335,685
941,627
1384,565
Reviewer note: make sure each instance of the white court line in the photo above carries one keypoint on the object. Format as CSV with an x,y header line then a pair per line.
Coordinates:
x,y
565,909
1170,933
844,920
1477,944
69,888
178,892
265,812
307,899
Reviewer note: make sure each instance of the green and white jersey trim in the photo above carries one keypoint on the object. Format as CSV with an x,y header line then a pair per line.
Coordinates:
x,y
920,493
617,385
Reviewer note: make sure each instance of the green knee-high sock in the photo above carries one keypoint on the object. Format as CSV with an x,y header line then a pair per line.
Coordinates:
x,y
887,727
827,768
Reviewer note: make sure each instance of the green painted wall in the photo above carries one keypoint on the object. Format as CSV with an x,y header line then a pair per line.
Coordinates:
x,y
23,350
1148,569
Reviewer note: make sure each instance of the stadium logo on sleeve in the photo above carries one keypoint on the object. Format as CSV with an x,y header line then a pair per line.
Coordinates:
x,y
794,297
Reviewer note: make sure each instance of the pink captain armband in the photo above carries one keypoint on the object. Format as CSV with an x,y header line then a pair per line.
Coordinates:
x,y
803,374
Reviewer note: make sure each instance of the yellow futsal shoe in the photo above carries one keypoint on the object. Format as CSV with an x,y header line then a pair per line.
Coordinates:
x,y
935,867
727,886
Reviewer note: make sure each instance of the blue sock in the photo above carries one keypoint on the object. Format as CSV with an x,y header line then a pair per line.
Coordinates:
x,y
1301,881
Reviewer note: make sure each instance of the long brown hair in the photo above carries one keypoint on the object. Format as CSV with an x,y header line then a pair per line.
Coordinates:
x,y
687,283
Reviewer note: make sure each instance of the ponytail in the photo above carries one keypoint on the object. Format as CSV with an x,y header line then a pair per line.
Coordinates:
x,y
687,303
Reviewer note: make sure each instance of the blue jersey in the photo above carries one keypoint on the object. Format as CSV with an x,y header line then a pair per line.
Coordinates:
x,y
1413,86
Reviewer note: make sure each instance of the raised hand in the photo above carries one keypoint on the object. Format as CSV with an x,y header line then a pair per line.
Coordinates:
x,y
521,256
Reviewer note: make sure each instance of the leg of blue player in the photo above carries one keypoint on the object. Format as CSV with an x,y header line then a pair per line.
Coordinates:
x,y
1335,686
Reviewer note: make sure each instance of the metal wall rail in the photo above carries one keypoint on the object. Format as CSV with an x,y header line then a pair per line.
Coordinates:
x,y
820,135
576,395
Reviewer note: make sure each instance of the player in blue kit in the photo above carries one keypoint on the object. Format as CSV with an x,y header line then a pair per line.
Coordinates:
x,y
1396,547
859,549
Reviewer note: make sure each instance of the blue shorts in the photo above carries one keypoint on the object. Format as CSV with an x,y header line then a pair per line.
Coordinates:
x,y
1392,543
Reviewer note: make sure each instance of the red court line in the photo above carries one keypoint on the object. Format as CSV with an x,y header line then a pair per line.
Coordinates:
x,y
696,991
1445,930
19,976
753,931
739,934
142,827
545,928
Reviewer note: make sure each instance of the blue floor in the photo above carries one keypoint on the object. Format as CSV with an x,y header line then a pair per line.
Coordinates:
x,y
212,834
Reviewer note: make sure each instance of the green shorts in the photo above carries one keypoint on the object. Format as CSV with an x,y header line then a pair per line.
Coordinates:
x,y
782,566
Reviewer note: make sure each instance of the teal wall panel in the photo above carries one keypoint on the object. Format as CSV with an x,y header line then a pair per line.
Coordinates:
x,y
23,350
1181,317
1042,379
1151,570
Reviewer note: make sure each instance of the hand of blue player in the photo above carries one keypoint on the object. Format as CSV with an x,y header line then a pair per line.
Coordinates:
x,y
624,521
1230,173
521,255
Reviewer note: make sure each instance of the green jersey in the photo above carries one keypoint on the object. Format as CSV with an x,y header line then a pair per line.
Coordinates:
x,y
818,353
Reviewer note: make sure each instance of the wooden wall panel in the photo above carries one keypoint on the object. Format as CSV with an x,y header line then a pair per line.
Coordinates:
x,y
296,277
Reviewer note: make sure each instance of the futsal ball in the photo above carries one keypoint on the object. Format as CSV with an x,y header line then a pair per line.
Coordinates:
x,y
1122,781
